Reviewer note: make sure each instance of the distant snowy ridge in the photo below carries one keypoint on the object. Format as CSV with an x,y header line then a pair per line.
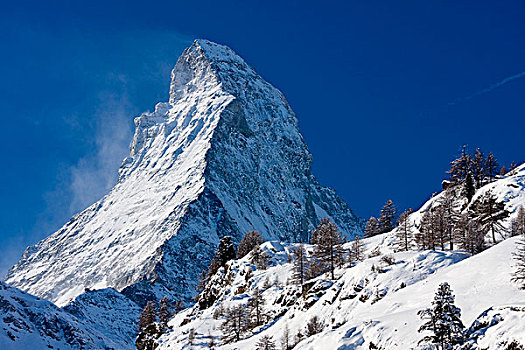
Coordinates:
x,y
222,157
28,322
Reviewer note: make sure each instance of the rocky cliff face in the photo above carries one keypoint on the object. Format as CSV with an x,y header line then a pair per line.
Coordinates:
x,y
222,157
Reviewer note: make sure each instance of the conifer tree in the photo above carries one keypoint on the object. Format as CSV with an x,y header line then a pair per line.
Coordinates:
x,y
468,187
328,245
478,168
459,168
149,330
387,218
265,343
443,319
148,315
285,338
372,227
469,235
259,258
513,166
224,253
256,306
314,326
235,323
357,250
404,231
250,240
164,312
517,225
489,212
451,216
301,266
426,238
491,167
518,275
439,225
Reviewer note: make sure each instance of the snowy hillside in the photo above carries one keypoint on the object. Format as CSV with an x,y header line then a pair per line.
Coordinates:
x,y
28,322
222,157
374,304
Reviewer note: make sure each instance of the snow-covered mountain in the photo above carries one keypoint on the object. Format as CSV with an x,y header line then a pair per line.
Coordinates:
x,y
374,304
98,320
222,157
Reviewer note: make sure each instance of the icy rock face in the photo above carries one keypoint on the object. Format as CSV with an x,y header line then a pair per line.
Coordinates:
x,y
222,157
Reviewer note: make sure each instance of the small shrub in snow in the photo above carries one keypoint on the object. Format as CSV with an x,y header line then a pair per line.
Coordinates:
x,y
314,326
388,260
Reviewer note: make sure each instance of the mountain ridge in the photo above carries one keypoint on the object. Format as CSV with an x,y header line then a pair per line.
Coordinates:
x,y
222,157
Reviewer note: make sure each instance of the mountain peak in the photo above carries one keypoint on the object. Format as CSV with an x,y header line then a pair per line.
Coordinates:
x,y
205,65
222,157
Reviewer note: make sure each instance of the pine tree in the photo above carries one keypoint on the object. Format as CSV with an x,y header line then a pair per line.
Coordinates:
x,y
491,166
387,218
314,326
148,315
518,275
443,319
259,258
250,240
164,312
328,245
489,213
439,225
478,168
517,226
235,323
468,187
301,266
469,235
426,237
459,168
256,307
451,216
285,338
149,330
357,250
224,253
513,166
404,231
372,227
265,343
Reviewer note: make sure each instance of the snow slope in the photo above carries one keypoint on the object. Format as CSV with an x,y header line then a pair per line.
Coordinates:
x,y
479,283
374,303
366,305
222,157
28,322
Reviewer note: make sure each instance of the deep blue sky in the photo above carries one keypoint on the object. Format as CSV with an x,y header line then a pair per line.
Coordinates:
x,y
385,92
